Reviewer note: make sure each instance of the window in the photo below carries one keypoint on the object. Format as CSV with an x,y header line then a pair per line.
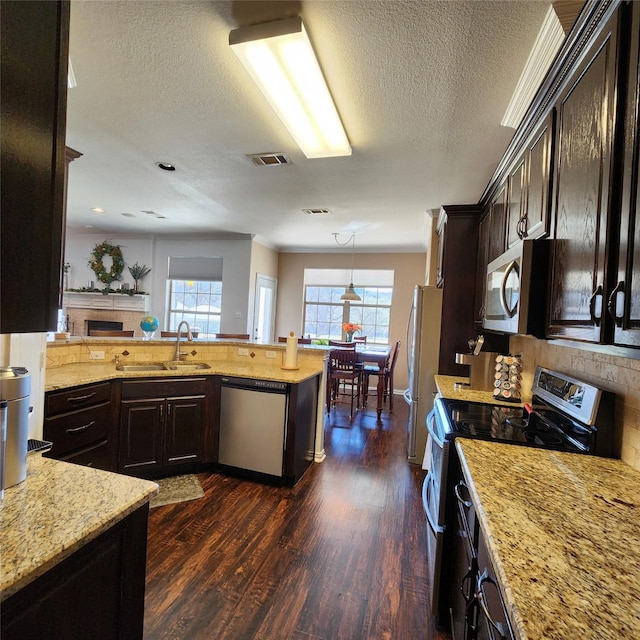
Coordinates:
x,y
197,302
325,312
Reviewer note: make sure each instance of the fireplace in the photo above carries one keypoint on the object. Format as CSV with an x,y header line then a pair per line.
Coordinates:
x,y
103,325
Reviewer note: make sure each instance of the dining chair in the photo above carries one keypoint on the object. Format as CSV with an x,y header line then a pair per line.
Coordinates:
x,y
174,334
104,333
233,336
361,339
386,372
345,372
344,345
300,340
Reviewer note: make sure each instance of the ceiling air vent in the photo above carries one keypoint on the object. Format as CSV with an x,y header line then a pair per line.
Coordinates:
x,y
317,212
269,159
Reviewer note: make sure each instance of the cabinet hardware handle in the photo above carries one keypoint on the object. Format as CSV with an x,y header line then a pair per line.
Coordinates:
x,y
81,398
84,427
467,576
161,413
612,303
456,490
595,306
498,626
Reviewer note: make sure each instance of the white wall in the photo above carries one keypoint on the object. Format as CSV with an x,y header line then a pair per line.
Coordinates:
x,y
234,249
409,270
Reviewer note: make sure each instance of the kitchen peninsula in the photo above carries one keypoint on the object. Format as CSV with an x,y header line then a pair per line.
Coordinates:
x,y
73,553
125,404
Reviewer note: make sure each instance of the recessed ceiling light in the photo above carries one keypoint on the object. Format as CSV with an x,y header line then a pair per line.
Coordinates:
x,y
165,166
97,210
129,215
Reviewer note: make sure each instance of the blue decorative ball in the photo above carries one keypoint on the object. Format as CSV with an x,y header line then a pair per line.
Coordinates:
x,y
149,323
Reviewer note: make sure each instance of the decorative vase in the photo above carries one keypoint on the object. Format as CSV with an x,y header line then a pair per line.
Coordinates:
x,y
349,336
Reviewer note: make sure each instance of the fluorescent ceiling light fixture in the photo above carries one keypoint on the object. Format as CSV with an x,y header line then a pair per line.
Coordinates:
x,y
279,57
549,40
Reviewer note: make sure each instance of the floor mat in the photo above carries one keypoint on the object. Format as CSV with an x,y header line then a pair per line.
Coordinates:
x,y
177,489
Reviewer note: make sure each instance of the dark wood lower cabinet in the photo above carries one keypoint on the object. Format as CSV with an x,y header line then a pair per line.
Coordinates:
x,y
97,593
165,429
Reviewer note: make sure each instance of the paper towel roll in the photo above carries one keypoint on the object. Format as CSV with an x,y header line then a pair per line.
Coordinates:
x,y
291,354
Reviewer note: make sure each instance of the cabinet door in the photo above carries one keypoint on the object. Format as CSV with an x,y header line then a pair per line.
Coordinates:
x,y
624,300
441,231
539,157
481,272
184,428
515,213
141,434
35,45
586,117
497,212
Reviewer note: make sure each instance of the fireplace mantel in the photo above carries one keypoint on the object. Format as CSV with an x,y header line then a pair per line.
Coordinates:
x,y
111,301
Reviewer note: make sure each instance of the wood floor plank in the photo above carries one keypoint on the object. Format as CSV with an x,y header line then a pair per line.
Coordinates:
x,y
340,556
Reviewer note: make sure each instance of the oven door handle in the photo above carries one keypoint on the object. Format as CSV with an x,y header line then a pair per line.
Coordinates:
x,y
425,503
431,428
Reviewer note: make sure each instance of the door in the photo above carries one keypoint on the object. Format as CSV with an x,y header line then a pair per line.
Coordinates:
x,y
184,427
624,300
141,433
586,123
264,311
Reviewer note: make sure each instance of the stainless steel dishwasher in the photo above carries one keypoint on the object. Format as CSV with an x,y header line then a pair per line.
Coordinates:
x,y
253,424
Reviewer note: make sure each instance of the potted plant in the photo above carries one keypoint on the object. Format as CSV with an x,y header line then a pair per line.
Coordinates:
x,y
138,272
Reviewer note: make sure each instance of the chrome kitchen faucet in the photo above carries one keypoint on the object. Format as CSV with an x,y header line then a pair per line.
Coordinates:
x,y
181,355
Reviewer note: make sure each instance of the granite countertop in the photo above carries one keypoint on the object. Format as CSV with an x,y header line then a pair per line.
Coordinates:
x,y
80,373
446,388
45,518
563,531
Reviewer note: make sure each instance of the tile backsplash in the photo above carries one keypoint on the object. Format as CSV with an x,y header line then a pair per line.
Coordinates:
x,y
613,373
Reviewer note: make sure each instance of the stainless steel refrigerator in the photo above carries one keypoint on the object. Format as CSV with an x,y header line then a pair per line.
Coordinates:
x,y
423,352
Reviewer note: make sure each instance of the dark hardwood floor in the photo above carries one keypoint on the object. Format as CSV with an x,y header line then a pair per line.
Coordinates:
x,y
339,556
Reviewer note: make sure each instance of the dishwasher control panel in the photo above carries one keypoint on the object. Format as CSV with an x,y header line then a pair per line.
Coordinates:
x,y
252,383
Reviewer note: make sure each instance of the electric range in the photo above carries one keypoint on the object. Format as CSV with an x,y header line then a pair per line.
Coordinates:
x,y
565,414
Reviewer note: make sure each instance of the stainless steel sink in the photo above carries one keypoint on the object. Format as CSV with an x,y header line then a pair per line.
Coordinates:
x,y
149,366
178,365
162,366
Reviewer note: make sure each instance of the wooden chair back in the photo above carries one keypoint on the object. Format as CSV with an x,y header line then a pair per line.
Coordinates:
x,y
233,336
343,361
174,334
394,358
300,340
362,339
104,333
344,345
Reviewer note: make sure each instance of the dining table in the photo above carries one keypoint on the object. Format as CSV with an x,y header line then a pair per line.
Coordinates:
x,y
378,354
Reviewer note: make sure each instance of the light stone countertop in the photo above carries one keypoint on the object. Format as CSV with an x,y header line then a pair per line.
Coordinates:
x,y
80,373
46,518
446,388
563,531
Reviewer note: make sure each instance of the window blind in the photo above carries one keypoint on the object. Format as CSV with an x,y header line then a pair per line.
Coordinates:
x,y
198,268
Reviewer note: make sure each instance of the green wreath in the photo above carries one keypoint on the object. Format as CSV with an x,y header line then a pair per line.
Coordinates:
x,y
95,262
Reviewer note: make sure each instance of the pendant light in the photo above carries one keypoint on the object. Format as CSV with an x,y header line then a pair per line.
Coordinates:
x,y
349,293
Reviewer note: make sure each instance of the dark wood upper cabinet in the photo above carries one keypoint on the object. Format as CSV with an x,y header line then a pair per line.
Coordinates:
x,y
624,299
497,220
538,176
583,188
516,201
33,90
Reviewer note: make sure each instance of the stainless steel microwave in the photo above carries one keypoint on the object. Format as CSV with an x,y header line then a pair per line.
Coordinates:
x,y
516,290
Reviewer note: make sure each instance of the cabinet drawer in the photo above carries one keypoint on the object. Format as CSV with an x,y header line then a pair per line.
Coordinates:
x,y
77,429
163,387
96,456
77,398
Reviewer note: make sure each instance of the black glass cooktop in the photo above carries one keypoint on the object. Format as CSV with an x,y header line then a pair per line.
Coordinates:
x,y
547,428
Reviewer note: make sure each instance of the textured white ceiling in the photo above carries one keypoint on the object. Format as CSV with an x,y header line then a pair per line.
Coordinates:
x,y
421,87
